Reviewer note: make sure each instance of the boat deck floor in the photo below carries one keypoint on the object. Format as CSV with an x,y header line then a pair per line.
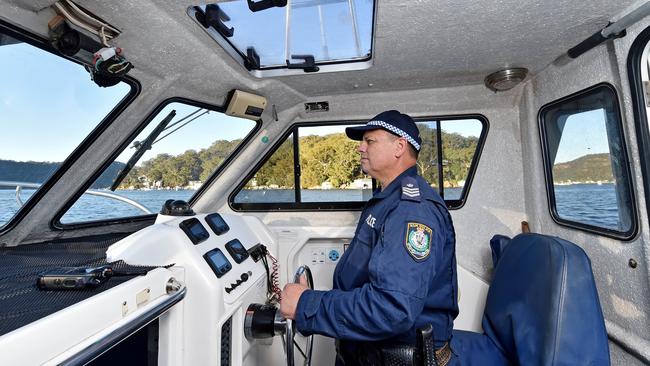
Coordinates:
x,y
21,302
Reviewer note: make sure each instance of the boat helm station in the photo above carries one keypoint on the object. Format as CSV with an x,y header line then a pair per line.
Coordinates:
x,y
168,167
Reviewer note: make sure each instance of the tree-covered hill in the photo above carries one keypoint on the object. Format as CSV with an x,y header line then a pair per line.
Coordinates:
x,y
334,158
178,171
331,158
592,167
38,172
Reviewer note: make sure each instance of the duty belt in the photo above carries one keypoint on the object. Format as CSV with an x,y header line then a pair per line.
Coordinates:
x,y
402,355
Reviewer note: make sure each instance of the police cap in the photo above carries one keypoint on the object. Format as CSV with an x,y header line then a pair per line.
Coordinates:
x,y
392,121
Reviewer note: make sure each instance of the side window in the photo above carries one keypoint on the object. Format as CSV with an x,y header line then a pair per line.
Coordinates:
x,y
586,163
48,105
172,157
330,167
328,173
274,182
450,151
317,167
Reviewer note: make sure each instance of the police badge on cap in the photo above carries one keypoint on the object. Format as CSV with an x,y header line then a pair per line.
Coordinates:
x,y
418,240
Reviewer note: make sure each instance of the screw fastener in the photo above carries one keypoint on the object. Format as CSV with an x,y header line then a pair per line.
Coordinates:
x,y
632,263
172,286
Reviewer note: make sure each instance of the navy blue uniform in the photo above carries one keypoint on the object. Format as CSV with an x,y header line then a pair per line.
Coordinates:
x,y
398,274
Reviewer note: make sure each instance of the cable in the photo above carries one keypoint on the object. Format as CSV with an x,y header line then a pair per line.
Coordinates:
x,y
271,296
275,280
172,125
61,9
181,126
102,36
85,21
94,21
299,349
183,119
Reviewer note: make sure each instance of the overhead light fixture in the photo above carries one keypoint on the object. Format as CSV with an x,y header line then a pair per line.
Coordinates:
x,y
505,79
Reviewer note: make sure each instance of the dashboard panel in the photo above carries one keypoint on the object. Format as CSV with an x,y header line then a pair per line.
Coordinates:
x,y
221,277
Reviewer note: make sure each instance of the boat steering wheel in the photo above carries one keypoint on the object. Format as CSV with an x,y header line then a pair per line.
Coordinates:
x,y
290,331
265,321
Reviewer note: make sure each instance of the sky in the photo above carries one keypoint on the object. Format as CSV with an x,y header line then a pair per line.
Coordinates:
x,y
198,134
333,38
48,105
584,133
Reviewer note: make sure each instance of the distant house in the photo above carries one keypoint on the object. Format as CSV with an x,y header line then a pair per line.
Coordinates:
x,y
143,183
194,184
326,185
362,183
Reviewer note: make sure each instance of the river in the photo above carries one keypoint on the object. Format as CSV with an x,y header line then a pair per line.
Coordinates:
x,y
588,203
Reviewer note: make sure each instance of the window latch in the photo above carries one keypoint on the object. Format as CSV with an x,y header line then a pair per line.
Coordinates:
x,y
252,59
309,65
265,4
214,17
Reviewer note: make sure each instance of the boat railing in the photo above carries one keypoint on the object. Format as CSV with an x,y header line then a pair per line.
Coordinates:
x,y
20,185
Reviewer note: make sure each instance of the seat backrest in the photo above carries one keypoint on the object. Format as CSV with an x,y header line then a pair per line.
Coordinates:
x,y
542,307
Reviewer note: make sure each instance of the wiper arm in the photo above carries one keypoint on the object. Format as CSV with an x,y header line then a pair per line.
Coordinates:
x,y
141,148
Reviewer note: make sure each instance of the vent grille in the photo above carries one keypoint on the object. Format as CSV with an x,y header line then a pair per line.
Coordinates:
x,y
226,340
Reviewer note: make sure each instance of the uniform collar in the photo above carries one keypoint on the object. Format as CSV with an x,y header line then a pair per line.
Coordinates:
x,y
396,183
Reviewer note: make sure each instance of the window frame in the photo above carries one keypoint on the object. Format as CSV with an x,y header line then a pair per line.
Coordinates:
x,y
346,205
58,225
324,66
459,203
548,166
641,127
82,147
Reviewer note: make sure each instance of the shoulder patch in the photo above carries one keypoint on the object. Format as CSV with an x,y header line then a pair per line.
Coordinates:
x,y
418,240
410,189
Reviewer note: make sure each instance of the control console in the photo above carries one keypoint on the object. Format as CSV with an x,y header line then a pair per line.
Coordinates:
x,y
220,260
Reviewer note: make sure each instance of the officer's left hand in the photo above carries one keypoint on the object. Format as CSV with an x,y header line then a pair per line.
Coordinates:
x,y
290,296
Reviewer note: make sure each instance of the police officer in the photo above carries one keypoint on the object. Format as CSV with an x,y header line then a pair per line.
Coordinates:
x,y
399,272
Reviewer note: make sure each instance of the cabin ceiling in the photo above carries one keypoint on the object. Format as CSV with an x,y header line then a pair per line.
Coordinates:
x,y
425,44
418,43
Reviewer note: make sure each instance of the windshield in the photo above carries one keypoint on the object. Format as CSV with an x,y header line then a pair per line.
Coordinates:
x,y
48,106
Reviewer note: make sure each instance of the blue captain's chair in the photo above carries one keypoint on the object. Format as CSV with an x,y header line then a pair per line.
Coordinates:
x,y
542,308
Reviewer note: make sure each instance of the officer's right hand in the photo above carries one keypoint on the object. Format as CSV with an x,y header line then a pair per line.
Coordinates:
x,y
290,297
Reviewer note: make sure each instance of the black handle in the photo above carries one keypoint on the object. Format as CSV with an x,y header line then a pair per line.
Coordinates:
x,y
265,4
591,42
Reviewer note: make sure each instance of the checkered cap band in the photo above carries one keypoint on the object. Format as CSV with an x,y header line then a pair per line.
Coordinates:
x,y
396,131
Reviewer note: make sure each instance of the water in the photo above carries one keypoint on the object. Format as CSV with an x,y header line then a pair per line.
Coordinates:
x,y
587,203
590,204
318,195
90,208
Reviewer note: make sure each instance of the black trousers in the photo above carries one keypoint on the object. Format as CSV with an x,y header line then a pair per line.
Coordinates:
x,y
371,354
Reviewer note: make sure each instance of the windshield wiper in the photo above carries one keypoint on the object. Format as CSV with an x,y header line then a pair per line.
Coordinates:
x,y
141,148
